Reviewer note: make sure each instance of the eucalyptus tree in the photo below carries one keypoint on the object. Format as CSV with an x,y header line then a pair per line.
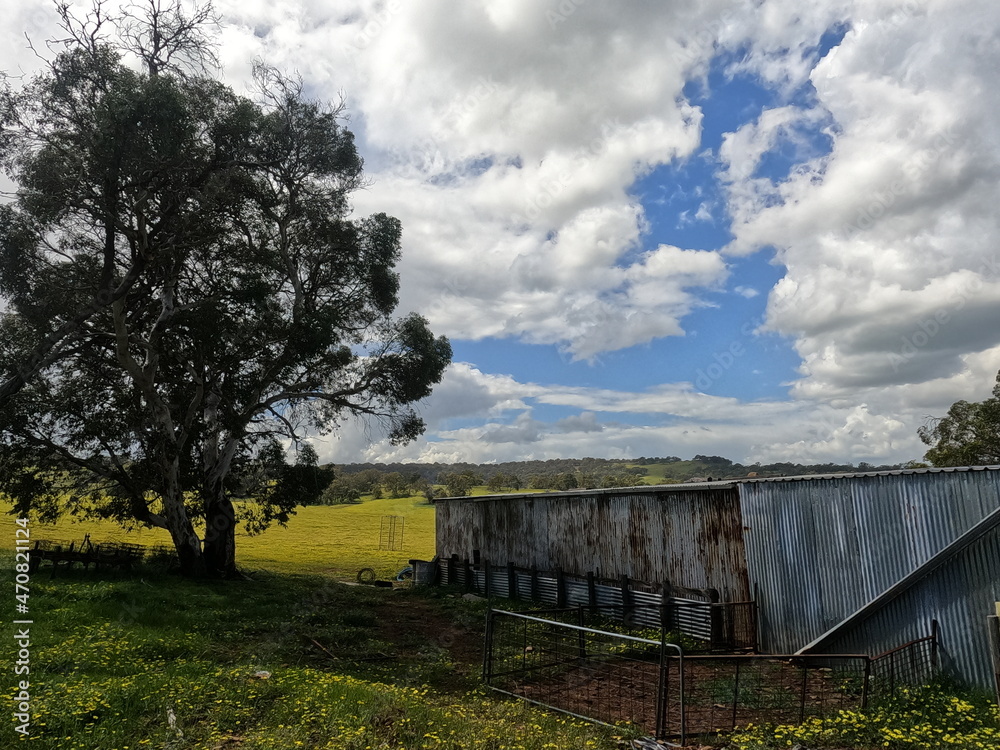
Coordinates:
x,y
239,302
968,435
66,114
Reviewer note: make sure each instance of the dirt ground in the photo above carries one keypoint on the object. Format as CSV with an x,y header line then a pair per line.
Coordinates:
x,y
408,620
415,626
613,691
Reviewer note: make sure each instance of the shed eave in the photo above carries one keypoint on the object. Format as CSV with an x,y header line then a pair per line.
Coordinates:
x,y
643,488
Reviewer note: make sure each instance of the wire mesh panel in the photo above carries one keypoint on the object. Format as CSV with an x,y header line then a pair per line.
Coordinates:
x,y
597,675
725,626
913,663
390,536
722,693
722,626
601,664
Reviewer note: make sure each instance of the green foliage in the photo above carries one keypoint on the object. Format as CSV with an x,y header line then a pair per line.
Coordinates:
x,y
969,435
500,481
460,483
592,473
188,260
292,485
343,489
394,485
916,719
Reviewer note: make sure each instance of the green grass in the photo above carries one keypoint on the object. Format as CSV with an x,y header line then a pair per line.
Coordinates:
x,y
335,540
926,718
155,661
338,540
656,474
162,662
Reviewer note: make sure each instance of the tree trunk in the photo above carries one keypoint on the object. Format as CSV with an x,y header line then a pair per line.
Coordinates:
x,y
220,535
185,539
220,515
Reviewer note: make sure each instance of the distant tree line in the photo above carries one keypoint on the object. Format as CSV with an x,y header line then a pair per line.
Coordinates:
x,y
435,472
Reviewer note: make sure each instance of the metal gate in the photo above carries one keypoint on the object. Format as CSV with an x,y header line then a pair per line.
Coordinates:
x,y
584,672
608,677
390,535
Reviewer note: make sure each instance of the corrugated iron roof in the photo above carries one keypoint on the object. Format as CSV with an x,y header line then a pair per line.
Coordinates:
x,y
854,474
641,488
719,484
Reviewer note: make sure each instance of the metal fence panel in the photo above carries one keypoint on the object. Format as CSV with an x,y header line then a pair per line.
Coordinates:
x,y
523,586
548,590
723,693
585,672
560,661
576,593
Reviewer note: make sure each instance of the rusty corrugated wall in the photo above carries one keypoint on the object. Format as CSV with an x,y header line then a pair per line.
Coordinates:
x,y
690,537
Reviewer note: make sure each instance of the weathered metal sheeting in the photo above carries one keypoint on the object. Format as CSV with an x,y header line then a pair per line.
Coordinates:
x,y
820,549
689,537
959,595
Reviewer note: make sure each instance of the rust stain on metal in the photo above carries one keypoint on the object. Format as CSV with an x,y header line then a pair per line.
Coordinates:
x,y
689,538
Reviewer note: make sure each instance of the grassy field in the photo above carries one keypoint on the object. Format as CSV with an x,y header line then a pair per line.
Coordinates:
x,y
292,658
335,540
288,659
281,661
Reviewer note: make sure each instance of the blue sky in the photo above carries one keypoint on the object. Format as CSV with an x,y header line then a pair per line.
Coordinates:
x,y
721,351
666,228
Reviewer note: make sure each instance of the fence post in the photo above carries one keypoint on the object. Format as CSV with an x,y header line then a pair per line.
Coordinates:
x,y
661,688
512,591
665,607
470,579
866,683
993,622
534,583
560,588
736,692
934,642
715,616
581,638
627,614
804,694
591,589
488,588
488,648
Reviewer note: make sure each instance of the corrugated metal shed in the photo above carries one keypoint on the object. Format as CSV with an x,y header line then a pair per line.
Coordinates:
x,y
862,562
689,537
959,595
819,549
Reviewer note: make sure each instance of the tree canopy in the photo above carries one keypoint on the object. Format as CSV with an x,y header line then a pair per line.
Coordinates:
x,y
187,287
968,435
